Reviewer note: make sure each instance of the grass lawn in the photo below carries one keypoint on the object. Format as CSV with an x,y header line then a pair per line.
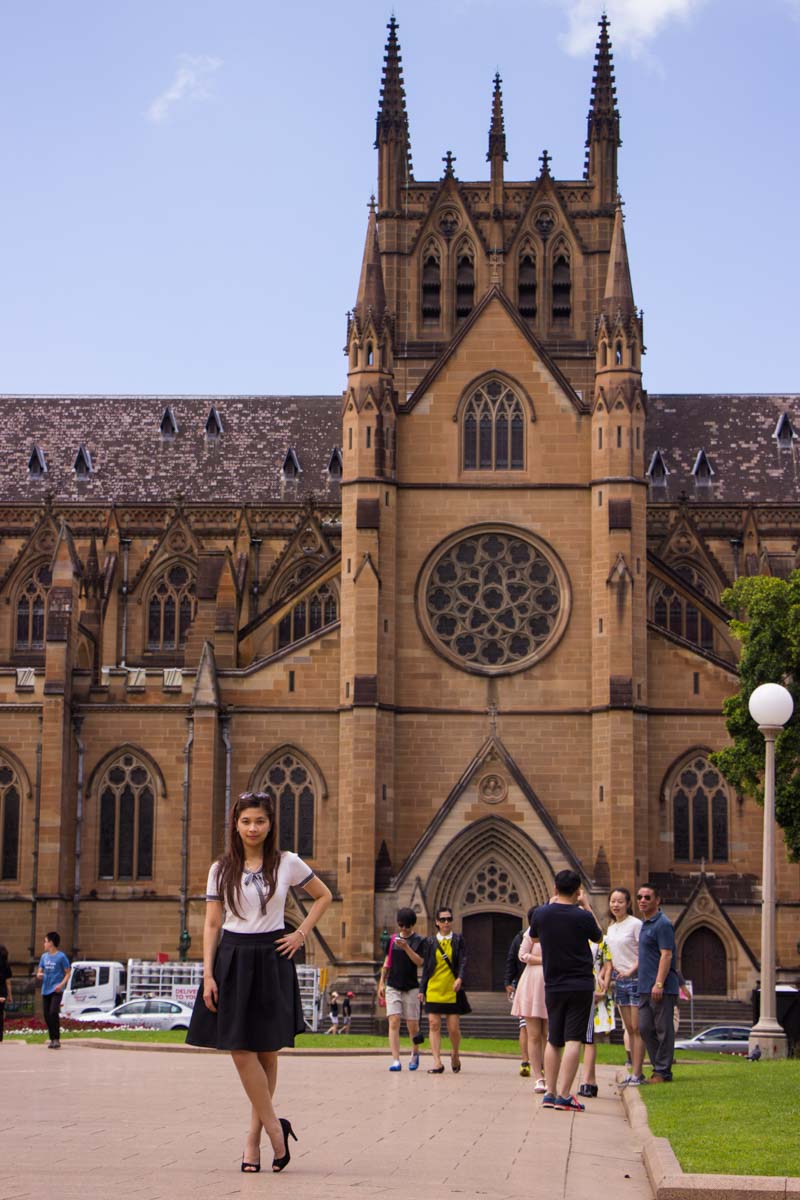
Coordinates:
x,y
727,1116
315,1041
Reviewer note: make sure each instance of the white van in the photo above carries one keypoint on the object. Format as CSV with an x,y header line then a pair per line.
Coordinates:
x,y
94,987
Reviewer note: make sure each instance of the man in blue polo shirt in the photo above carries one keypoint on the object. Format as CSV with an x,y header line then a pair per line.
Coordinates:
x,y
658,983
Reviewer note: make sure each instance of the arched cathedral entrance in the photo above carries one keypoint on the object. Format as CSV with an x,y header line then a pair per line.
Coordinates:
x,y
490,875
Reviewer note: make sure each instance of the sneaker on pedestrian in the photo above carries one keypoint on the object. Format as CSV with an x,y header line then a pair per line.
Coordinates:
x,y
413,1063
635,1080
55,1045
396,1065
548,1100
525,1070
656,1077
588,1089
540,1086
569,1104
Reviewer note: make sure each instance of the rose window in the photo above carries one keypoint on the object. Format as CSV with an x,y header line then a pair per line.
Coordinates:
x,y
494,601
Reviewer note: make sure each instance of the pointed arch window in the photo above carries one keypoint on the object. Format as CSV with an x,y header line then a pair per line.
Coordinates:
x,y
700,807
127,820
10,794
493,429
465,281
171,609
562,284
31,605
431,285
293,788
526,284
676,613
311,614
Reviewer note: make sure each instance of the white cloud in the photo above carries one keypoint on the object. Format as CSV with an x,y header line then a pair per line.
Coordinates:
x,y
634,23
191,82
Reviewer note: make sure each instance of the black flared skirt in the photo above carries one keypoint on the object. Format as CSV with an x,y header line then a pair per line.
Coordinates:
x,y
259,998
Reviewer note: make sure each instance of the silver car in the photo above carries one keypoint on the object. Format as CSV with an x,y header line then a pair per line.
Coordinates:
x,y
144,1014
720,1039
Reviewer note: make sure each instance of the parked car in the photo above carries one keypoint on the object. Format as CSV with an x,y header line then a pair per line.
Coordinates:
x,y
722,1039
147,1014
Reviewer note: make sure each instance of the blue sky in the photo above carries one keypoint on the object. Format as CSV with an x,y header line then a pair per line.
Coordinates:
x,y
185,181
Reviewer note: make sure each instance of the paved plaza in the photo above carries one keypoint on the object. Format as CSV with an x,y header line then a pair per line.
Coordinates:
x,y
168,1124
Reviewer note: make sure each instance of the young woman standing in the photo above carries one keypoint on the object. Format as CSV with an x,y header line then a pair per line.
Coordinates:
x,y
529,1003
622,940
250,1001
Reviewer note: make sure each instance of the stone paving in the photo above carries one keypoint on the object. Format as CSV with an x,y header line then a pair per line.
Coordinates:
x,y
168,1124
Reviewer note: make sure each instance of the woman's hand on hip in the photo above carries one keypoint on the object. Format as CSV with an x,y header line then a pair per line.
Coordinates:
x,y
290,943
210,994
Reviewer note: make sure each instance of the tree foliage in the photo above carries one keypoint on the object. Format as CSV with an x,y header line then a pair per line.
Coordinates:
x,y
767,623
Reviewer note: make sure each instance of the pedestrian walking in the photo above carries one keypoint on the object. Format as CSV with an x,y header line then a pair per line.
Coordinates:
x,y
333,1013
53,972
601,1021
622,938
444,965
513,971
347,1012
565,927
399,987
5,986
250,1003
658,983
530,1005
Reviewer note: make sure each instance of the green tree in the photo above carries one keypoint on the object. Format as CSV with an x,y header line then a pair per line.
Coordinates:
x,y
767,623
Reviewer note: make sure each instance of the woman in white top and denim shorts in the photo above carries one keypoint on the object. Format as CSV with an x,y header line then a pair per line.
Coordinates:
x,y
622,939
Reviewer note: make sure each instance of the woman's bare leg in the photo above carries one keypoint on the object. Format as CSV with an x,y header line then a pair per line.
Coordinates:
x,y
255,1082
630,1019
435,1032
536,1039
252,1146
454,1033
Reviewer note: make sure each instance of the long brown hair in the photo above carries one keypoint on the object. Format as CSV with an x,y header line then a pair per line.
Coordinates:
x,y
230,865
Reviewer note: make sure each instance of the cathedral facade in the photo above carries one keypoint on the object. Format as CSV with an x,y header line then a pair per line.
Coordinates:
x,y
462,620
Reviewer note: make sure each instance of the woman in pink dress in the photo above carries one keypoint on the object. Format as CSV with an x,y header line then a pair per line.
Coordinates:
x,y
529,1003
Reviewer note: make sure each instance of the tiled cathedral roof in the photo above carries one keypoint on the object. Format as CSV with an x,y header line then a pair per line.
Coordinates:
x,y
737,434
132,461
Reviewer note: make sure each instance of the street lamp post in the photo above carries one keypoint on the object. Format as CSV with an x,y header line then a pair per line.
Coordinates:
x,y
770,707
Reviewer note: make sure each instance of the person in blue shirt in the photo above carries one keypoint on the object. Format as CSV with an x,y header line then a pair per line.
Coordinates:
x,y
54,971
658,983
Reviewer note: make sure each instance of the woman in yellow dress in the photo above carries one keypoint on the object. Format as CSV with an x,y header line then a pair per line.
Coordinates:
x,y
444,962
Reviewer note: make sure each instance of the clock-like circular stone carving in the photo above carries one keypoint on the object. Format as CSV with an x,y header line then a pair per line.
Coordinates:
x,y
493,599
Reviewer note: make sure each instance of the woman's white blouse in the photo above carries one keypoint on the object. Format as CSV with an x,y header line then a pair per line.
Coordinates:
x,y
622,940
292,872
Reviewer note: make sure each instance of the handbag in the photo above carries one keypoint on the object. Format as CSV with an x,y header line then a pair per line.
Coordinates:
x,y
462,1003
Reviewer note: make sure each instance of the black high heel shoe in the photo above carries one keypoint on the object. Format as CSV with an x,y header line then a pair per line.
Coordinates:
x,y
251,1168
278,1164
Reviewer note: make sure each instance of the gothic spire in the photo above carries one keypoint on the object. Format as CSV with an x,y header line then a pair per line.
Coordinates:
x,y
497,130
371,293
618,296
602,133
392,139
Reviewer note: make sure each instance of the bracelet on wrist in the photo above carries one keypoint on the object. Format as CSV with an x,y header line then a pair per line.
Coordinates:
x,y
302,935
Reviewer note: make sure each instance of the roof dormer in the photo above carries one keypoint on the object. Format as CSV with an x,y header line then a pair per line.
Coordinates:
x,y
82,466
291,468
213,427
37,464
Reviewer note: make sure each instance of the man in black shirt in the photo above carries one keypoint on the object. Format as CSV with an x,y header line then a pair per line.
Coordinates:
x,y
564,928
399,986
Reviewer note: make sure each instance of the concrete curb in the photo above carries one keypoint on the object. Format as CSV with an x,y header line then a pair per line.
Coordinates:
x,y
670,1182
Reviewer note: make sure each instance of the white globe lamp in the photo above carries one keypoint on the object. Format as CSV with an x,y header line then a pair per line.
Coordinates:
x,y
771,705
